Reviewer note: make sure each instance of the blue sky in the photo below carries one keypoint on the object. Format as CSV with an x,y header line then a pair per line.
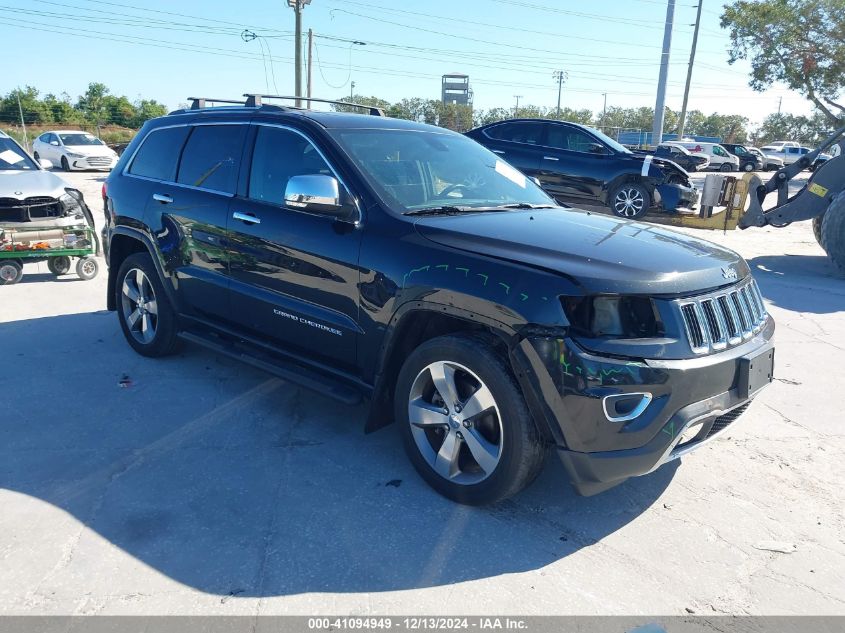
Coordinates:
x,y
169,50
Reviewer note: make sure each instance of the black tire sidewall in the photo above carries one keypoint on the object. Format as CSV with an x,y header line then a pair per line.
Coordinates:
x,y
833,232
518,430
19,274
164,342
53,267
65,164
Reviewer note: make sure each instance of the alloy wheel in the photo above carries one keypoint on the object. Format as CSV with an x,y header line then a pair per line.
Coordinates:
x,y
628,202
455,422
140,309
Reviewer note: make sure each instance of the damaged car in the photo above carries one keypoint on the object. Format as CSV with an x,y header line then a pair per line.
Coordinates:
x,y
577,164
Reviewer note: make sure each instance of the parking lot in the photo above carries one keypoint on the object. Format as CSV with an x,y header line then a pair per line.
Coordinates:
x,y
199,485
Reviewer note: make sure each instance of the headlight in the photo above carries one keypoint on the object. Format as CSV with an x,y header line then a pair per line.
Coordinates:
x,y
71,201
613,316
73,155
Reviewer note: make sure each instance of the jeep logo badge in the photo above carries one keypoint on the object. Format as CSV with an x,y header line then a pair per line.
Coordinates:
x,y
729,273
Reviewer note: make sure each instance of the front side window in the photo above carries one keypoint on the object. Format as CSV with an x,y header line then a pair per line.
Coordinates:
x,y
530,132
719,151
159,154
570,139
211,157
278,155
414,170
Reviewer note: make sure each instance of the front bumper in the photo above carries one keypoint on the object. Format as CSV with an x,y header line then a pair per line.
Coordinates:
x,y
673,196
689,402
92,162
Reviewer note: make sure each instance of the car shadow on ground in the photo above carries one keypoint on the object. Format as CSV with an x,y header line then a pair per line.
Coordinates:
x,y
233,482
803,283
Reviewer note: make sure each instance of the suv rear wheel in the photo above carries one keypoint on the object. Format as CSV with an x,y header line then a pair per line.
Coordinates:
x,y
146,316
465,424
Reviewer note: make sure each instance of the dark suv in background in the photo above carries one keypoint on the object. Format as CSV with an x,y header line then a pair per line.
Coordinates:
x,y
748,161
577,164
365,256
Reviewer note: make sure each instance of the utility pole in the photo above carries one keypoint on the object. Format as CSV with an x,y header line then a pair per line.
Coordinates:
x,y
310,50
657,130
23,123
780,102
604,110
682,121
351,91
297,6
560,75
516,109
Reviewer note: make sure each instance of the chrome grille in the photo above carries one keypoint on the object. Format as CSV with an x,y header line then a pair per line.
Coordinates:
x,y
721,319
98,161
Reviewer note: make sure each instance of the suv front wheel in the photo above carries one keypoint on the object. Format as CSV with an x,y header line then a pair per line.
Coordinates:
x,y
466,426
146,316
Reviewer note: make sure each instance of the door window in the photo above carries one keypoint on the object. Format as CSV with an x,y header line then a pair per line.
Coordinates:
x,y
159,154
719,151
278,155
570,139
211,157
529,132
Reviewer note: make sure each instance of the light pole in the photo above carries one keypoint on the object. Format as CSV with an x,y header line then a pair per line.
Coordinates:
x,y
297,6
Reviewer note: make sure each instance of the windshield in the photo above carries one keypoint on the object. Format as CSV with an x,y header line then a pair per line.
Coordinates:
x,y
414,170
12,157
613,144
80,139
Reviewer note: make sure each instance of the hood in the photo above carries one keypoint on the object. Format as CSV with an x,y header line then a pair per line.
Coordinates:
x,y
25,184
603,254
90,150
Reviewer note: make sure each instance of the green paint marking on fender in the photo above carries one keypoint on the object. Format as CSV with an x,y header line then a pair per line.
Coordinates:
x,y
411,272
443,266
506,287
565,364
578,369
466,270
486,277
523,295
671,430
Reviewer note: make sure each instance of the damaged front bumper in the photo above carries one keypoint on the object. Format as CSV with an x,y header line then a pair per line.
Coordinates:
x,y
675,196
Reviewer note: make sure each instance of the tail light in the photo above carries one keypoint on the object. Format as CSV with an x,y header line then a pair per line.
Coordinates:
x,y
104,190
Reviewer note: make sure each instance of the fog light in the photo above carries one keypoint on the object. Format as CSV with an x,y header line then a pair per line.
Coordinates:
x,y
622,407
689,433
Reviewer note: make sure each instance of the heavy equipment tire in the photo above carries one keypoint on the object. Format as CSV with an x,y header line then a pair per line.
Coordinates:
x,y
476,443
817,228
833,232
147,318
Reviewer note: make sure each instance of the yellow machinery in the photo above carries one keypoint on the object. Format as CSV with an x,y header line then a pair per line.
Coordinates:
x,y
723,202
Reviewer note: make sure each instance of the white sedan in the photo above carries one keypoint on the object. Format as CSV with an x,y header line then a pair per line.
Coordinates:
x,y
74,149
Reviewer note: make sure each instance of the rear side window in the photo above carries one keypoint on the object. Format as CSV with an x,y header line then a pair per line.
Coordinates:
x,y
212,156
519,132
159,154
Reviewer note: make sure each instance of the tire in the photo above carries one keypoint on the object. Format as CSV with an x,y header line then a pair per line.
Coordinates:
x,y
629,200
87,268
149,325
748,167
726,167
59,265
36,156
817,228
833,232
11,272
500,432
65,164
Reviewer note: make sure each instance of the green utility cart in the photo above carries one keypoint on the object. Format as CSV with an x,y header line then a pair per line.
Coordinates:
x,y
55,245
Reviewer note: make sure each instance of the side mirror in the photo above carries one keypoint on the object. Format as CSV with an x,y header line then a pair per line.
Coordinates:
x,y
45,164
595,148
319,193
54,143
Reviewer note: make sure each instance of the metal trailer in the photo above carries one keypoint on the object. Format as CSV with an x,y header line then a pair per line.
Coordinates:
x,y
33,244
821,199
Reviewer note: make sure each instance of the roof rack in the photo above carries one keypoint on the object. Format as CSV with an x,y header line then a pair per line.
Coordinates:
x,y
255,101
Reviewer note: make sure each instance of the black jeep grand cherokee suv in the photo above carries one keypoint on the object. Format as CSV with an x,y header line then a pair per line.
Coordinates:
x,y
362,255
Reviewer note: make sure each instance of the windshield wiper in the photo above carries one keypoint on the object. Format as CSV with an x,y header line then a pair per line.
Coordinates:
x,y
526,205
444,210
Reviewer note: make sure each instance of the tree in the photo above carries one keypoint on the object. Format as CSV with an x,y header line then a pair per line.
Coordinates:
x,y
93,104
146,109
807,130
34,110
796,42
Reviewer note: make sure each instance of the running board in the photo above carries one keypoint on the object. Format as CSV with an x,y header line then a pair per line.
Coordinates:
x,y
291,372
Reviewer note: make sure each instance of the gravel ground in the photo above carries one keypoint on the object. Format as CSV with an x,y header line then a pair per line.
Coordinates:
x,y
204,486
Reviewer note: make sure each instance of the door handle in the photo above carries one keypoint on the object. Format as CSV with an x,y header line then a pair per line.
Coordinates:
x,y
550,158
163,198
246,217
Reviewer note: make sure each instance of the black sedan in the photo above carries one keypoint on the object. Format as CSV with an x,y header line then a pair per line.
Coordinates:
x,y
575,163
